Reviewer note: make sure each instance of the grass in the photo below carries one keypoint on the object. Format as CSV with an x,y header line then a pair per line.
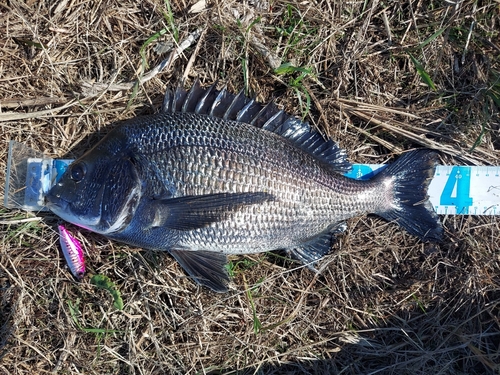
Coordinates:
x,y
384,303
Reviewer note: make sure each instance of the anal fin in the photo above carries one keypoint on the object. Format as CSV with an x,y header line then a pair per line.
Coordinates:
x,y
207,268
312,251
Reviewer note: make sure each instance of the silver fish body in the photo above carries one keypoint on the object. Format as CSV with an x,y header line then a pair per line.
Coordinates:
x,y
216,174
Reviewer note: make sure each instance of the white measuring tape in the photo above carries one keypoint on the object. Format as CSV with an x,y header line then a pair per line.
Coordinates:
x,y
454,190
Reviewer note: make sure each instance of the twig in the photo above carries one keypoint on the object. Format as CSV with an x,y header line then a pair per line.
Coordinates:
x,y
30,102
93,89
19,221
373,107
468,40
273,60
194,54
387,27
13,116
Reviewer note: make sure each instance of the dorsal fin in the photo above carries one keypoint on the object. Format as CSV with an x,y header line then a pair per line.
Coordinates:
x,y
193,97
206,100
228,106
236,104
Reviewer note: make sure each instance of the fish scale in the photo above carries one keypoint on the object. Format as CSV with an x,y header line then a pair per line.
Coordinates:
x,y
216,174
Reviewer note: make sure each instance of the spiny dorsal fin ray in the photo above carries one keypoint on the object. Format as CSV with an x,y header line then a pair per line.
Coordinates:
x,y
193,97
167,102
239,101
178,99
223,99
249,111
228,106
265,114
207,100
275,121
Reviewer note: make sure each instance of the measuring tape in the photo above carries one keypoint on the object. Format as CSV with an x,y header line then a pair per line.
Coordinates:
x,y
454,190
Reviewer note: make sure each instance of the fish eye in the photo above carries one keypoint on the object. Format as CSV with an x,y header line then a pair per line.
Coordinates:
x,y
77,172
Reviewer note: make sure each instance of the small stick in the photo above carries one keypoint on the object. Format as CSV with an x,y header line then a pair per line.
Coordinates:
x,y
99,87
19,221
467,41
387,27
193,56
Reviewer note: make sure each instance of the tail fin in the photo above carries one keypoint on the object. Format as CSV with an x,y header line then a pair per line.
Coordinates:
x,y
411,209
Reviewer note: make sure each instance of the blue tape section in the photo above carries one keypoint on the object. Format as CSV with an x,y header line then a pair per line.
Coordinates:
x,y
364,172
59,167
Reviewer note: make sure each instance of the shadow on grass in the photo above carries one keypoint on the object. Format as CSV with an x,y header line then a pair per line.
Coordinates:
x,y
439,342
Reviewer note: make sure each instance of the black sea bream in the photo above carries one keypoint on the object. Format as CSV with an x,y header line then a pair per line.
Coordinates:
x,y
215,173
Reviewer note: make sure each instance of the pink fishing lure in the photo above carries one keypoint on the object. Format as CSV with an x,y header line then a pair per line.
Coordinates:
x,y
73,252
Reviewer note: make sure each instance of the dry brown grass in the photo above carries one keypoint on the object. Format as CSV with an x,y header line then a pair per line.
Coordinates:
x,y
384,303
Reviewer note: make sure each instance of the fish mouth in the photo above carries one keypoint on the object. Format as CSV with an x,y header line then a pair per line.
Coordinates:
x,y
62,208
56,204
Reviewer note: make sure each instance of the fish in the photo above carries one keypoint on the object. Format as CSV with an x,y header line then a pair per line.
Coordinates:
x,y
72,251
214,173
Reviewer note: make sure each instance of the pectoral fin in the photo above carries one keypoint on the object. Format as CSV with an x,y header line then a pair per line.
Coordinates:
x,y
193,212
205,267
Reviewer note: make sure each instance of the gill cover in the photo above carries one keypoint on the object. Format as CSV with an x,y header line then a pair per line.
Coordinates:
x,y
120,198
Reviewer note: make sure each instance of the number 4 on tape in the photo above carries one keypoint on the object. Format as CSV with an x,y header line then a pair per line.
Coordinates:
x,y
456,191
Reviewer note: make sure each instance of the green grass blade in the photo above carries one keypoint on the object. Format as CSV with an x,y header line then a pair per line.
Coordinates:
x,y
169,17
422,72
151,39
257,325
74,311
100,330
288,68
431,38
29,43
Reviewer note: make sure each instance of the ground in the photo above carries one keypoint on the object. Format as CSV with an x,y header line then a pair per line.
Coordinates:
x,y
378,77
